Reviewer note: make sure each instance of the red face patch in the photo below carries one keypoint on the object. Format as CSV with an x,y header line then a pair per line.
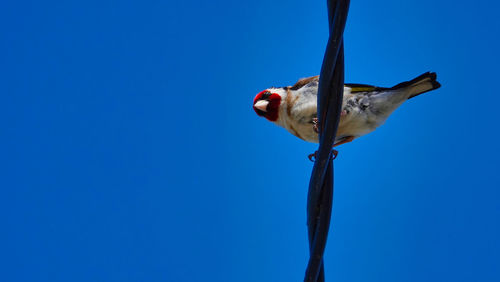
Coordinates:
x,y
272,110
259,96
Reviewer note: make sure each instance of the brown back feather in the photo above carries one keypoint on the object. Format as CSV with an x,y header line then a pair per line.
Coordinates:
x,y
304,81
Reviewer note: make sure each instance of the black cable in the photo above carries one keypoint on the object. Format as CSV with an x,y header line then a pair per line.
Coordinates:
x,y
330,93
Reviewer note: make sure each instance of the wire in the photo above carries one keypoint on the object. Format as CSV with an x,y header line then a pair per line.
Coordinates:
x,y
330,94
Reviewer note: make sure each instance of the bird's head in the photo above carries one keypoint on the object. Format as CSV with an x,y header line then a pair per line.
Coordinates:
x,y
267,104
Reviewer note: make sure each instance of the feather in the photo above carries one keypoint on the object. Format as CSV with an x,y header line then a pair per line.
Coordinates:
x,y
304,81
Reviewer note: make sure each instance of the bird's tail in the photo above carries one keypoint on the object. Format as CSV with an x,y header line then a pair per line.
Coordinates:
x,y
419,85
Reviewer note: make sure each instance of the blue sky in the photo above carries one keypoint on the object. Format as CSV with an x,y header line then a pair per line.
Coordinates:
x,y
130,150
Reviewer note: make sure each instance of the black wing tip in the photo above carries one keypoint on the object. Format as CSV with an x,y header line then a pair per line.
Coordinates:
x,y
435,85
432,76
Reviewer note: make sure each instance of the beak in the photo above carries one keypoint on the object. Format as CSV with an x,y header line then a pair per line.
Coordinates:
x,y
261,105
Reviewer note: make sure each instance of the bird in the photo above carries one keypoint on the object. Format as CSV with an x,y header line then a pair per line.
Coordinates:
x,y
364,107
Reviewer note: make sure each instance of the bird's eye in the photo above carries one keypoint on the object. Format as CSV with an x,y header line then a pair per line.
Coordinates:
x,y
266,95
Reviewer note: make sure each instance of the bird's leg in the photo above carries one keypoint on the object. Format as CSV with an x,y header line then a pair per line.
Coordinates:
x,y
315,125
344,140
316,122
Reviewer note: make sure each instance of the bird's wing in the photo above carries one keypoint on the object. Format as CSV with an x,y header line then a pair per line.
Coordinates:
x,y
304,81
357,88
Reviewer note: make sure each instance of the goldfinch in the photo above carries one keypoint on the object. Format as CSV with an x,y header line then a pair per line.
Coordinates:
x,y
364,107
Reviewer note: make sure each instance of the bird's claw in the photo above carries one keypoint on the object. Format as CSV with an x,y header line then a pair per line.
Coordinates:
x,y
334,154
312,156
